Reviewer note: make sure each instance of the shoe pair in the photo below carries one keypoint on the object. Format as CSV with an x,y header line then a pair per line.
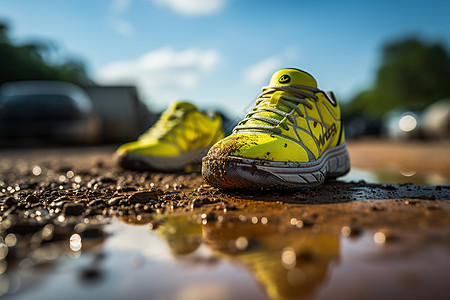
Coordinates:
x,y
293,137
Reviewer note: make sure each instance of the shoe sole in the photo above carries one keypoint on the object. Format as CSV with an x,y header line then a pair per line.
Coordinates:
x,y
181,163
244,173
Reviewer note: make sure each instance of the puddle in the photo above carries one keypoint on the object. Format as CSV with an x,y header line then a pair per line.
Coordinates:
x,y
402,176
199,243
298,254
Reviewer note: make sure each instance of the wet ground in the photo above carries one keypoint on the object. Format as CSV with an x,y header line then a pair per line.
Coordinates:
x,y
74,226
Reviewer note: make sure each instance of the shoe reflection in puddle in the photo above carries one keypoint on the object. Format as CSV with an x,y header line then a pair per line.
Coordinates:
x,y
288,265
182,233
288,262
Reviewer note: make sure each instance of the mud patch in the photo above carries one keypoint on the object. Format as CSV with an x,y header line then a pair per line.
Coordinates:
x,y
57,203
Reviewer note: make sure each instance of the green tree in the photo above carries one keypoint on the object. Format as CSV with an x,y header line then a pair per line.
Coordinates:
x,y
26,62
412,75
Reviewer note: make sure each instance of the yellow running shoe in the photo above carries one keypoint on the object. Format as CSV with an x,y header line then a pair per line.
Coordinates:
x,y
177,141
292,138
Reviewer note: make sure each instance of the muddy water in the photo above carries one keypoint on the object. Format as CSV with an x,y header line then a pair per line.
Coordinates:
x,y
331,251
189,257
406,175
350,239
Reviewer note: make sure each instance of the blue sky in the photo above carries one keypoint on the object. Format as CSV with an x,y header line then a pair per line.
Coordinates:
x,y
219,53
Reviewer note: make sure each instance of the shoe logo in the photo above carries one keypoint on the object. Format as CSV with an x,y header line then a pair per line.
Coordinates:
x,y
284,79
327,135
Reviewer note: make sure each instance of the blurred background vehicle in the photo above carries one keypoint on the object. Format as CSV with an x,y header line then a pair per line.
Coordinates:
x,y
431,123
128,76
61,112
361,125
436,120
122,114
47,110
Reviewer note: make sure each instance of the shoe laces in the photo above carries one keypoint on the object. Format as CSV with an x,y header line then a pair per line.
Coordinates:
x,y
166,124
294,95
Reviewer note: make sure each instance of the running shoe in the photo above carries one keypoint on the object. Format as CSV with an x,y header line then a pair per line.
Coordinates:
x,y
177,141
292,138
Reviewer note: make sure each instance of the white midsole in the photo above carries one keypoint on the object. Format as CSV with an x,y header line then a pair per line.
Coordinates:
x,y
333,163
171,162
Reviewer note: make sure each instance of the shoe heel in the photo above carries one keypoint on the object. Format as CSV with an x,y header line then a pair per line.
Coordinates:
x,y
339,165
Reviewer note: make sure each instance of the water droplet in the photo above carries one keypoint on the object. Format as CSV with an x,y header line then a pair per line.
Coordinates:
x,y
11,240
296,223
5,224
3,251
379,238
288,258
36,170
77,179
241,243
346,231
75,242
47,232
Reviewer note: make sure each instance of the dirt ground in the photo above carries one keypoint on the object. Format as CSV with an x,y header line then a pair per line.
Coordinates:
x,y
414,156
42,186
86,182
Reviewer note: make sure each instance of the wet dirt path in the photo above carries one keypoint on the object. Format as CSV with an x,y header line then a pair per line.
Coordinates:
x,y
289,242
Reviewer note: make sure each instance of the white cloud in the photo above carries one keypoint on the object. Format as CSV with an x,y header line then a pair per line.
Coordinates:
x,y
259,73
193,7
119,6
116,22
121,26
162,75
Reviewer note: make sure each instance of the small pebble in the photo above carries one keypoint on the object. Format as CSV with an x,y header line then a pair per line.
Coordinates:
x,y
143,197
32,199
73,209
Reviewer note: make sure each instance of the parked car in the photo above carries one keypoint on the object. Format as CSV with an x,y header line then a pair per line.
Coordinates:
x,y
361,125
47,110
123,115
436,120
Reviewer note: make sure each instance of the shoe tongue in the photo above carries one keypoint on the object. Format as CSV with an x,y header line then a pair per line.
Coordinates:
x,y
172,114
181,105
283,77
292,76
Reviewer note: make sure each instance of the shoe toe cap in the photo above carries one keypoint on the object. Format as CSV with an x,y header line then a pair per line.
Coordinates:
x,y
260,146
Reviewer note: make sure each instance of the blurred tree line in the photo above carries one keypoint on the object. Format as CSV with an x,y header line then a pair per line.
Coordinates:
x,y
412,74
27,62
